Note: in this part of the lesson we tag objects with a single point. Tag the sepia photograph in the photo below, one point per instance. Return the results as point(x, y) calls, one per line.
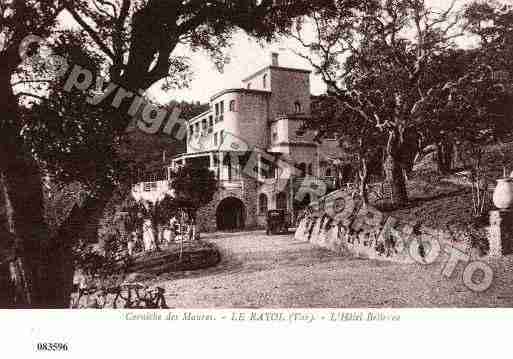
point(243, 161)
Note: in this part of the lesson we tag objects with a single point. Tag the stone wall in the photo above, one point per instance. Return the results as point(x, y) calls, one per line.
point(249, 198)
point(206, 216)
point(247, 193)
point(196, 255)
point(341, 223)
point(253, 120)
point(289, 87)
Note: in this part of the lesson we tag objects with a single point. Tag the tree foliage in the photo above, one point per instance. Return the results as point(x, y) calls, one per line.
point(193, 187)
point(134, 42)
point(388, 61)
point(361, 138)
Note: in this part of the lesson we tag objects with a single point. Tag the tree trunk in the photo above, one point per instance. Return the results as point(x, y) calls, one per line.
point(22, 199)
point(41, 276)
point(194, 226)
point(7, 287)
point(82, 223)
point(364, 178)
point(23, 203)
point(445, 157)
point(394, 173)
point(14, 286)
point(395, 179)
point(456, 156)
point(25, 194)
point(156, 234)
point(338, 176)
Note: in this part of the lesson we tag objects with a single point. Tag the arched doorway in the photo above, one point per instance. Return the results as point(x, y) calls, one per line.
point(231, 214)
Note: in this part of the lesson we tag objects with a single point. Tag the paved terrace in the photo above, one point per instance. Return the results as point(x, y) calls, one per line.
point(259, 271)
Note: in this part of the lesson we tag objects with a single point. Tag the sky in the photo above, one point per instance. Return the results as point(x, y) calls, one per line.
point(246, 57)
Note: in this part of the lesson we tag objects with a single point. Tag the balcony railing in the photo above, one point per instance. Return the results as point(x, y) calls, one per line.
point(330, 182)
point(150, 186)
point(154, 186)
point(230, 184)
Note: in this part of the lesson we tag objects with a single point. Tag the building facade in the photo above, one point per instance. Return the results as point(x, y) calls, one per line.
point(252, 138)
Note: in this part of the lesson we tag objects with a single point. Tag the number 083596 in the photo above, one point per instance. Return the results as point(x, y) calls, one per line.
point(51, 347)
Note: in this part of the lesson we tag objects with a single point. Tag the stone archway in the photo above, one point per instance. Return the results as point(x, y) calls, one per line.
point(231, 214)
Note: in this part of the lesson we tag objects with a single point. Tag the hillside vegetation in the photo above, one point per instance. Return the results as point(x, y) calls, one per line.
point(445, 202)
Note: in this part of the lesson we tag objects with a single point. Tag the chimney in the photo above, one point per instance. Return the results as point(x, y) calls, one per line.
point(275, 59)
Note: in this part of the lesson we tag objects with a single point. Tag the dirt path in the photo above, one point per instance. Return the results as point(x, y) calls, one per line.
point(259, 271)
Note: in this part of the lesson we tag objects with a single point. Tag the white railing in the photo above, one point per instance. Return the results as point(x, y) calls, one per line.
point(231, 184)
point(151, 191)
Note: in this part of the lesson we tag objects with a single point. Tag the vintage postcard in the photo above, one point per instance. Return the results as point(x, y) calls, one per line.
point(186, 169)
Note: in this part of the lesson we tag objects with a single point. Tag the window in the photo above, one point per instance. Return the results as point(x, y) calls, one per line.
point(215, 139)
point(262, 204)
point(150, 186)
point(302, 169)
point(310, 169)
point(249, 86)
point(221, 111)
point(328, 172)
point(297, 107)
point(275, 137)
point(197, 130)
point(210, 125)
point(281, 200)
point(264, 81)
point(265, 167)
point(232, 106)
point(221, 138)
point(268, 169)
point(204, 124)
point(191, 130)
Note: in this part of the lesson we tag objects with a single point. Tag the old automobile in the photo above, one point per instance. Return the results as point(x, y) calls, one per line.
point(277, 221)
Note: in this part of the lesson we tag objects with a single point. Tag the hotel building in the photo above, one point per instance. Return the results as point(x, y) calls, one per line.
point(252, 138)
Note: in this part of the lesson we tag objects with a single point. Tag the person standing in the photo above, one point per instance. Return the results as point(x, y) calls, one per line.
point(173, 222)
point(148, 237)
point(191, 230)
point(132, 239)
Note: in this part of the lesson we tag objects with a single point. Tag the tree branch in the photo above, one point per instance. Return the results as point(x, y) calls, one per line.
point(92, 33)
